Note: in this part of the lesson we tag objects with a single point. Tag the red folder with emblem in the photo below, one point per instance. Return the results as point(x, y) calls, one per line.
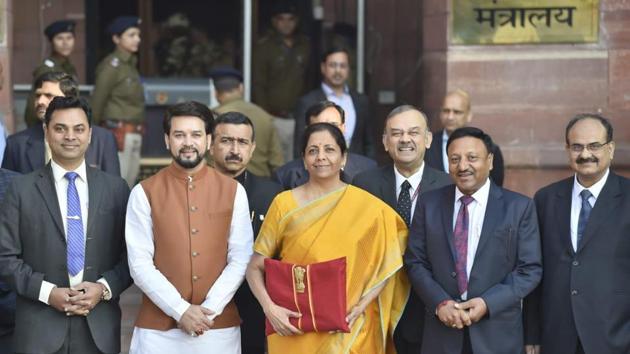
point(317, 291)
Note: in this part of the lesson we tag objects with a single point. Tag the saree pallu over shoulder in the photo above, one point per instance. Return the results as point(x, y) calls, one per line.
point(350, 223)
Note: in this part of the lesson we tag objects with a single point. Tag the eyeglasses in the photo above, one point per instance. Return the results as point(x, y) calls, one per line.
point(592, 147)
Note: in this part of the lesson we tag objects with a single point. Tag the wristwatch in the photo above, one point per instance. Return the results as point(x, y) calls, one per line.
point(106, 295)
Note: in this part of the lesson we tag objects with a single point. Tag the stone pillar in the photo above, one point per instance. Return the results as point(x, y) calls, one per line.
point(6, 41)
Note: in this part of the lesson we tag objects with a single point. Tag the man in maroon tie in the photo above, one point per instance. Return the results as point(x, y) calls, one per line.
point(473, 255)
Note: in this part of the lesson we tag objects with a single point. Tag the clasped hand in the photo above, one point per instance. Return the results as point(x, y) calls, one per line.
point(458, 315)
point(78, 300)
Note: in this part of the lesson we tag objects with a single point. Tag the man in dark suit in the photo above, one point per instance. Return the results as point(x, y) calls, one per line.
point(293, 173)
point(26, 151)
point(232, 148)
point(7, 297)
point(473, 255)
point(583, 302)
point(406, 137)
point(456, 113)
point(335, 69)
point(66, 262)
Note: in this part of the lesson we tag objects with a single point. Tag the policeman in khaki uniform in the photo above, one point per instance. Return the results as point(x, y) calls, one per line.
point(61, 37)
point(118, 97)
point(267, 155)
point(280, 71)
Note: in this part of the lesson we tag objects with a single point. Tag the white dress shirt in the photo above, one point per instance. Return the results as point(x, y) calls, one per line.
point(61, 187)
point(140, 250)
point(476, 215)
point(345, 101)
point(414, 180)
point(576, 202)
point(444, 153)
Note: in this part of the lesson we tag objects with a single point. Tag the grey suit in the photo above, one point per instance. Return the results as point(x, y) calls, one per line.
point(507, 267)
point(381, 182)
point(25, 151)
point(33, 249)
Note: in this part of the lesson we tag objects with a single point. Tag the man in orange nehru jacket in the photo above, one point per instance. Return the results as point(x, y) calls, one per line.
point(189, 240)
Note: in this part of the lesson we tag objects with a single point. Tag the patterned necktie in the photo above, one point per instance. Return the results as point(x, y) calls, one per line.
point(75, 245)
point(585, 212)
point(403, 207)
point(460, 237)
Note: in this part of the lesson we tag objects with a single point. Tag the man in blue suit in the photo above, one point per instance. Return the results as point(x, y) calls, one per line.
point(26, 151)
point(473, 255)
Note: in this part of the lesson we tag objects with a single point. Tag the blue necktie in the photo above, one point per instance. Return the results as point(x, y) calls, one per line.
point(585, 212)
point(75, 245)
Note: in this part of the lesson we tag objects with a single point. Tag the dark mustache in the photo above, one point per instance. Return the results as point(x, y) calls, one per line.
point(188, 149)
point(582, 160)
point(233, 157)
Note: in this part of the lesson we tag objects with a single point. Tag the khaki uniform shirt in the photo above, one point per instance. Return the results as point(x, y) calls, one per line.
point(268, 155)
point(280, 73)
point(118, 92)
point(53, 63)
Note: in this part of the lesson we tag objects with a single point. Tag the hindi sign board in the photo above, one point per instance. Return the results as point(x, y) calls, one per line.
point(524, 21)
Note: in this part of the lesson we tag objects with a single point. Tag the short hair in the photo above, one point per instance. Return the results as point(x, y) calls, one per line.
point(332, 50)
point(317, 108)
point(67, 84)
point(405, 108)
point(463, 94)
point(473, 133)
point(59, 103)
point(189, 108)
point(320, 127)
point(235, 118)
point(598, 117)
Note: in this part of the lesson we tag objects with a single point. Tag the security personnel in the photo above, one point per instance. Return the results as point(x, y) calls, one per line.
point(61, 37)
point(267, 156)
point(118, 97)
point(280, 71)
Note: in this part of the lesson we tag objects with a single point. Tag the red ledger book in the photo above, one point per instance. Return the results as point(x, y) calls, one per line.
point(317, 291)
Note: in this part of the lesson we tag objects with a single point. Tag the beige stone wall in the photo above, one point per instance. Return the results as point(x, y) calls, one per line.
point(523, 95)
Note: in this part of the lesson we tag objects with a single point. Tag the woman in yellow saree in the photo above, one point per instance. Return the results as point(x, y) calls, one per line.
point(327, 219)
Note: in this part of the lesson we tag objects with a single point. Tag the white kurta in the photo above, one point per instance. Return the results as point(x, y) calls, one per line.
point(140, 249)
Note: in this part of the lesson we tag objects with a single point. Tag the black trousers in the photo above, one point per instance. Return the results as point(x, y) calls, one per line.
point(79, 338)
point(403, 346)
point(6, 343)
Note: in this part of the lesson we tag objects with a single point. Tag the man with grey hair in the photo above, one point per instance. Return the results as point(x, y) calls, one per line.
point(406, 137)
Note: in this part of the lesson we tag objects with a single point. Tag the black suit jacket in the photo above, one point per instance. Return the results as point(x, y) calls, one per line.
point(260, 193)
point(584, 293)
point(33, 249)
point(433, 158)
point(7, 297)
point(381, 182)
point(293, 174)
point(362, 142)
point(25, 151)
point(507, 267)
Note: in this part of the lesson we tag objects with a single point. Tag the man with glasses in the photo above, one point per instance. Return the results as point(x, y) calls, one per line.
point(582, 304)
point(335, 69)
